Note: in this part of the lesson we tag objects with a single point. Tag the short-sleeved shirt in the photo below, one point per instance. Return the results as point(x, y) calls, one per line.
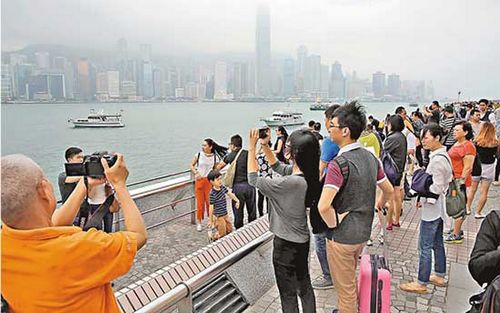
point(240, 175)
point(205, 163)
point(370, 142)
point(63, 269)
point(457, 154)
point(329, 150)
point(335, 179)
point(65, 188)
point(218, 200)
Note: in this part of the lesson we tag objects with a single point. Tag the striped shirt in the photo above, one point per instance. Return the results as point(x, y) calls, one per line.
point(218, 199)
point(447, 125)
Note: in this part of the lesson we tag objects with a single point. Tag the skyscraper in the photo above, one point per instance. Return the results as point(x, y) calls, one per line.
point(240, 84)
point(300, 68)
point(288, 77)
point(42, 60)
point(263, 52)
point(378, 84)
point(337, 82)
point(6, 82)
point(312, 75)
point(220, 81)
point(394, 85)
point(83, 79)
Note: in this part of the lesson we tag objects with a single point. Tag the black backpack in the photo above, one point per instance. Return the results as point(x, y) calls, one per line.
point(487, 301)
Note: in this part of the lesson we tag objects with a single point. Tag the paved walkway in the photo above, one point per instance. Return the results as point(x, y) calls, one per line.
point(403, 260)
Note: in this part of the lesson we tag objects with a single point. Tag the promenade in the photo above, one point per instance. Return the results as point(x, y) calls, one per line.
point(403, 260)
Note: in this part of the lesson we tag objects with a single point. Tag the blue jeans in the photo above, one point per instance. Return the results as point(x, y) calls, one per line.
point(431, 239)
point(320, 247)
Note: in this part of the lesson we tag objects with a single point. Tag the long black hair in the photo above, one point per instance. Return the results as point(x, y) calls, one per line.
point(304, 150)
point(217, 149)
point(283, 132)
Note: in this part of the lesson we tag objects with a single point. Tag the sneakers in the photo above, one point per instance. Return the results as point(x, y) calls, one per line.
point(381, 238)
point(454, 239)
point(198, 226)
point(451, 232)
point(496, 183)
point(321, 283)
point(479, 215)
point(437, 281)
point(369, 243)
point(413, 287)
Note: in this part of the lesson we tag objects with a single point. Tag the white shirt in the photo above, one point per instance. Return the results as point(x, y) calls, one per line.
point(98, 194)
point(205, 163)
point(491, 117)
point(440, 169)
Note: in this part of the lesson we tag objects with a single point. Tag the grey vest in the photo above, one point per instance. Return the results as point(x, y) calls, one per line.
point(357, 197)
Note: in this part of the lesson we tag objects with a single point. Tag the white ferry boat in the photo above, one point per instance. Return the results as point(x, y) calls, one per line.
point(98, 119)
point(284, 118)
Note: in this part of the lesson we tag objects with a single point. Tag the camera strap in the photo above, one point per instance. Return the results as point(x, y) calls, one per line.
point(95, 220)
point(83, 213)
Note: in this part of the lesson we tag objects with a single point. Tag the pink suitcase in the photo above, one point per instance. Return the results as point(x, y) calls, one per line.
point(374, 282)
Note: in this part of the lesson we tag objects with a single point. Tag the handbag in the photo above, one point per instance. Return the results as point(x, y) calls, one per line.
point(231, 171)
point(455, 200)
point(390, 168)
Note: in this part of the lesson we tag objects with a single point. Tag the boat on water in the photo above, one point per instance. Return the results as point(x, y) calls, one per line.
point(284, 118)
point(98, 119)
point(414, 105)
point(318, 107)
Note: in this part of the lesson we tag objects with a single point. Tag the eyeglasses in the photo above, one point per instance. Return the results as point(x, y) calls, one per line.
point(336, 126)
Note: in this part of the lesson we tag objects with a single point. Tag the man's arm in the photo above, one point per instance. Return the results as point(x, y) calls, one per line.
point(326, 210)
point(72, 179)
point(322, 167)
point(134, 223)
point(65, 215)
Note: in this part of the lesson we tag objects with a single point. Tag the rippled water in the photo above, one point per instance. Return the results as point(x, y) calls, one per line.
point(158, 138)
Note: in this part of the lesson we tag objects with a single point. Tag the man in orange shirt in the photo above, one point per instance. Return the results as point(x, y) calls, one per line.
point(48, 265)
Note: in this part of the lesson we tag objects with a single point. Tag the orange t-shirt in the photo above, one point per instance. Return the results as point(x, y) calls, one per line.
point(457, 154)
point(63, 269)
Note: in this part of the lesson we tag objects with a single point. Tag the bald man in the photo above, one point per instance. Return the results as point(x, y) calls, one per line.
point(48, 265)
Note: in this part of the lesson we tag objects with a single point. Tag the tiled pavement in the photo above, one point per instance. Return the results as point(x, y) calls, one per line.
point(403, 259)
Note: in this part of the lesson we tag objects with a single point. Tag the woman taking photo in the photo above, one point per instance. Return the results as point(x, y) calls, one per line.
point(203, 162)
point(279, 145)
point(288, 196)
point(462, 155)
point(486, 146)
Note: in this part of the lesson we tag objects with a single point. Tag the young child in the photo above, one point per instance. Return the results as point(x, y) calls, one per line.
point(218, 217)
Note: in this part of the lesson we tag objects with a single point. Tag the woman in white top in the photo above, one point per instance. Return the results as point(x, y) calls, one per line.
point(203, 162)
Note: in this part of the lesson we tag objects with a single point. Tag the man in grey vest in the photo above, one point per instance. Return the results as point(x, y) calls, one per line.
point(346, 203)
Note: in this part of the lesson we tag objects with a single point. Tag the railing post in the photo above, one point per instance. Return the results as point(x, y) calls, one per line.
point(185, 305)
point(193, 201)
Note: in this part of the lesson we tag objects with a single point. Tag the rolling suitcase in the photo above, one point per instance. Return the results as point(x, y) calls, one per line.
point(374, 283)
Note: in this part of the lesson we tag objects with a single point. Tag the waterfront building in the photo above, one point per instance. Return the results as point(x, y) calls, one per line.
point(378, 84)
point(288, 77)
point(337, 82)
point(128, 90)
point(301, 69)
point(84, 88)
point(42, 60)
point(394, 85)
point(220, 81)
point(6, 88)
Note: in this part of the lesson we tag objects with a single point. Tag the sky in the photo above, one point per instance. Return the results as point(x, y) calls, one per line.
point(453, 43)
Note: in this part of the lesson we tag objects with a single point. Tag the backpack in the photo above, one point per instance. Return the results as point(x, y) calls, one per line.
point(487, 301)
point(455, 200)
point(344, 169)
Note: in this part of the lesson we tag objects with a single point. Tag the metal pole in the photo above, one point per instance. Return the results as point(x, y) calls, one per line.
point(193, 200)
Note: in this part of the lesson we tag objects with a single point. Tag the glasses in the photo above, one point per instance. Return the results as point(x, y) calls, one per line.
point(336, 126)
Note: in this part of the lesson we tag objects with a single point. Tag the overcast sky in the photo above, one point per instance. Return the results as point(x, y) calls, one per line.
point(454, 43)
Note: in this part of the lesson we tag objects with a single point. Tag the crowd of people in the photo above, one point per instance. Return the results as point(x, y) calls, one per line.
point(340, 181)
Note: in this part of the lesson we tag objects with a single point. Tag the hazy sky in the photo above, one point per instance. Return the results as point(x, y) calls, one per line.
point(454, 43)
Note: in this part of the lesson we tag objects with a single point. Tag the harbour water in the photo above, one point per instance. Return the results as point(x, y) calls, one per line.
point(158, 138)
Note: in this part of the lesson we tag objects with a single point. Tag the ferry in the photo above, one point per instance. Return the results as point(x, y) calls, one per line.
point(414, 105)
point(97, 120)
point(284, 118)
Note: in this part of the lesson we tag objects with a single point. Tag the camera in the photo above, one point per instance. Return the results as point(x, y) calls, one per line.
point(263, 132)
point(91, 165)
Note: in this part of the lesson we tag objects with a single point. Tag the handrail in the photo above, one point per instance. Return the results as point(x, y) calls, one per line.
point(184, 290)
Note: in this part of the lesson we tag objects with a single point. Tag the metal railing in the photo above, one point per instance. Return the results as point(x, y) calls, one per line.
point(181, 295)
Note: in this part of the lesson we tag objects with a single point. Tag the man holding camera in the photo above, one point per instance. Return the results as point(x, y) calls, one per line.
point(66, 183)
point(49, 265)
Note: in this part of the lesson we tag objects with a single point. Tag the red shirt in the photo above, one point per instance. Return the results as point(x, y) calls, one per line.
point(457, 154)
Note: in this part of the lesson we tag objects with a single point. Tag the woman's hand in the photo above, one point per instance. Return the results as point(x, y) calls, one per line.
point(253, 138)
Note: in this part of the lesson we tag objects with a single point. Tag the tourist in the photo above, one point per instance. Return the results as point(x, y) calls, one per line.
point(475, 121)
point(486, 146)
point(49, 265)
point(401, 111)
point(241, 188)
point(433, 114)
point(462, 155)
point(487, 115)
point(310, 125)
point(433, 214)
point(346, 205)
point(329, 150)
point(68, 183)
point(396, 146)
point(265, 171)
point(289, 195)
point(202, 163)
point(447, 122)
point(316, 132)
point(218, 204)
point(279, 145)
point(418, 123)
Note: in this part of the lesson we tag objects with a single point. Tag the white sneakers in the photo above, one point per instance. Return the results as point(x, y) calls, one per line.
point(198, 227)
point(479, 215)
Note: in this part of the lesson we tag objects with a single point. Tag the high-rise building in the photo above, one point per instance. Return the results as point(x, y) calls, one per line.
point(128, 90)
point(337, 82)
point(263, 52)
point(241, 79)
point(6, 88)
point(301, 69)
point(146, 52)
point(378, 84)
point(312, 75)
point(191, 90)
point(42, 60)
point(288, 77)
point(220, 80)
point(113, 84)
point(148, 82)
point(157, 83)
point(325, 81)
point(22, 73)
point(394, 85)
point(123, 63)
point(61, 64)
point(84, 87)
point(57, 88)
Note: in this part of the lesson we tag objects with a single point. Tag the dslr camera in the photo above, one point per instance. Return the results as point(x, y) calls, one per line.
point(91, 165)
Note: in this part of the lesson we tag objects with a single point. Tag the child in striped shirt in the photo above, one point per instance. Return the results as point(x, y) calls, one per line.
point(218, 216)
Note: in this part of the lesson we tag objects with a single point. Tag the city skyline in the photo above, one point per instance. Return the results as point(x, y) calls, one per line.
point(471, 69)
